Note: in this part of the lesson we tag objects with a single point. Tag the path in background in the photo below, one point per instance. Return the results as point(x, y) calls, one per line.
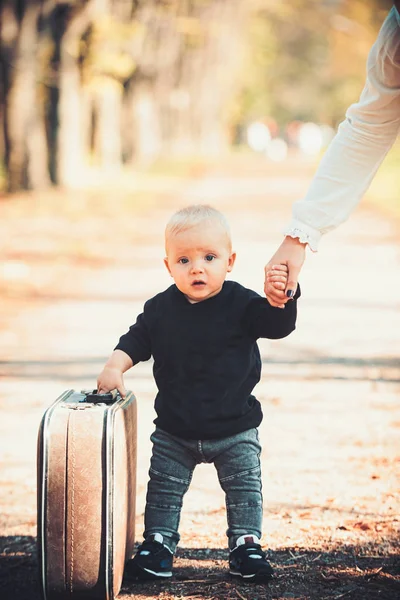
point(331, 461)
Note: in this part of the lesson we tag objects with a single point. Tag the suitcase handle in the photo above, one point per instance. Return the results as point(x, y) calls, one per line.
point(97, 398)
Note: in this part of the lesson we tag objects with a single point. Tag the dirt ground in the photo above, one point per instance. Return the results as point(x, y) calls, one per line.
point(74, 271)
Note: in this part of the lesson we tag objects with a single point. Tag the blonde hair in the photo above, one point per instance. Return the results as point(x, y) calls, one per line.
point(190, 216)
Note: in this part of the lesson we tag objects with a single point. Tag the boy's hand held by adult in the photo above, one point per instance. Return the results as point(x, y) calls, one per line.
point(292, 253)
point(276, 277)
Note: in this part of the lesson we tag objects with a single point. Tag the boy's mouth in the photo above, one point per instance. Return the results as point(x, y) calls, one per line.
point(198, 283)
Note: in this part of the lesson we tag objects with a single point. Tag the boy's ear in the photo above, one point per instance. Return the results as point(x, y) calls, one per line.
point(167, 265)
point(231, 261)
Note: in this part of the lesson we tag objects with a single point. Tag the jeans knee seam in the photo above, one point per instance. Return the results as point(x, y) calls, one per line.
point(168, 506)
point(170, 477)
point(241, 474)
point(246, 504)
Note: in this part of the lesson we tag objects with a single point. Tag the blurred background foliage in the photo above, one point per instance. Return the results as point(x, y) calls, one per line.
point(96, 85)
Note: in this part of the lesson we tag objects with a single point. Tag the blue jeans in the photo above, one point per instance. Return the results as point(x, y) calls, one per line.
point(237, 461)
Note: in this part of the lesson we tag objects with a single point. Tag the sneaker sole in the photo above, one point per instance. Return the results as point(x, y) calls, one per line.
point(253, 576)
point(147, 574)
point(161, 575)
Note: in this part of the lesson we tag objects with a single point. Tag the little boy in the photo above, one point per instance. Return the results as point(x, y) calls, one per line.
point(202, 334)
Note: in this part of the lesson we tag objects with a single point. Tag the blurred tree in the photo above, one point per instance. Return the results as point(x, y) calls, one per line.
point(24, 126)
point(306, 58)
point(69, 23)
point(186, 70)
point(107, 82)
point(352, 32)
point(114, 80)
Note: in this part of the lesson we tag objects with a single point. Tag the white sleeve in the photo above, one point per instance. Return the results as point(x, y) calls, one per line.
point(360, 145)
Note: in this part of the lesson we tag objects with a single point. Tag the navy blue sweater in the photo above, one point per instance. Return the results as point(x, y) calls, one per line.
point(206, 357)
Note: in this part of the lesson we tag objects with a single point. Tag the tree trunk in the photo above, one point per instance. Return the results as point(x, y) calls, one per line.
point(146, 135)
point(107, 98)
point(71, 150)
point(188, 57)
point(24, 128)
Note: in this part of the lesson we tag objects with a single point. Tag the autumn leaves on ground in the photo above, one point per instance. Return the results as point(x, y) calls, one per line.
point(74, 272)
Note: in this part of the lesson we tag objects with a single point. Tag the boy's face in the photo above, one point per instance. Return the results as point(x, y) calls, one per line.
point(199, 259)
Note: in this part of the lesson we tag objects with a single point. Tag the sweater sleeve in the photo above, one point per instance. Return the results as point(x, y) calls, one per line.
point(360, 145)
point(136, 342)
point(262, 320)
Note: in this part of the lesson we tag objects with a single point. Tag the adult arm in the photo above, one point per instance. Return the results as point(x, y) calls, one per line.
point(351, 161)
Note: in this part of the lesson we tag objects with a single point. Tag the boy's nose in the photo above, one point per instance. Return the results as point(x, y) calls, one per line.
point(197, 267)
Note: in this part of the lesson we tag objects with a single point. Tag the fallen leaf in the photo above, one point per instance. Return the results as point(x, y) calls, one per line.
point(362, 525)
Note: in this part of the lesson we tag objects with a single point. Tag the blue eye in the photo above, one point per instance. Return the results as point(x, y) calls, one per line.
point(210, 257)
point(183, 261)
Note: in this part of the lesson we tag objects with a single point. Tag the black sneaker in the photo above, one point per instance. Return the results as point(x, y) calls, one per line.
point(248, 561)
point(152, 560)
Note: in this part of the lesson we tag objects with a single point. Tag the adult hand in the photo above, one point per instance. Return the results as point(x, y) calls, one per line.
point(291, 253)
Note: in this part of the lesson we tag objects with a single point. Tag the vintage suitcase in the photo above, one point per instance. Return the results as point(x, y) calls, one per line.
point(86, 494)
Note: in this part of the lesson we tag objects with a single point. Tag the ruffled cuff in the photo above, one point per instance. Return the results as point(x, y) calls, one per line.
point(305, 233)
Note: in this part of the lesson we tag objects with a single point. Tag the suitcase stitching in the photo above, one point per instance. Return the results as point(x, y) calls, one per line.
point(72, 503)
